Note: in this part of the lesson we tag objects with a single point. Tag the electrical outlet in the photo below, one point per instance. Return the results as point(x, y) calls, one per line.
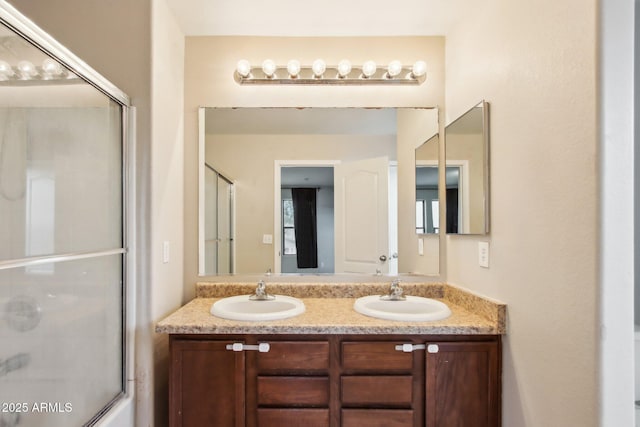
point(420, 247)
point(483, 254)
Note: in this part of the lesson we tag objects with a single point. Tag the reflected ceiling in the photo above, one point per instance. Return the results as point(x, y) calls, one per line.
point(301, 121)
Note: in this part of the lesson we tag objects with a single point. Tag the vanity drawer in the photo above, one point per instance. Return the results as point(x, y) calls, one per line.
point(377, 417)
point(382, 356)
point(276, 417)
point(383, 390)
point(293, 391)
point(295, 356)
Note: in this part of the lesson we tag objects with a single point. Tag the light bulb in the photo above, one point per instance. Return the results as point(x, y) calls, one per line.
point(344, 68)
point(419, 69)
point(394, 68)
point(243, 68)
point(5, 69)
point(27, 69)
point(51, 67)
point(293, 68)
point(268, 68)
point(318, 67)
point(368, 69)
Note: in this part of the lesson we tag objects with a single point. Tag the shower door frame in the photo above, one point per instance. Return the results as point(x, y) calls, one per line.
point(230, 225)
point(37, 37)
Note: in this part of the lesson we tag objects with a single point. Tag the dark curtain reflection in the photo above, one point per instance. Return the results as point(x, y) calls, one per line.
point(305, 225)
point(452, 210)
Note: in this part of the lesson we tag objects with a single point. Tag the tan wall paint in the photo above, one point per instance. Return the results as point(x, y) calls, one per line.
point(167, 183)
point(535, 63)
point(209, 66)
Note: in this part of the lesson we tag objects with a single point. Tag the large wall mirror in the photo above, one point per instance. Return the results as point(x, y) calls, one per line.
point(467, 171)
point(310, 191)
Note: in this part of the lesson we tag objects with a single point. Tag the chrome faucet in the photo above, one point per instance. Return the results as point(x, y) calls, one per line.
point(261, 293)
point(395, 292)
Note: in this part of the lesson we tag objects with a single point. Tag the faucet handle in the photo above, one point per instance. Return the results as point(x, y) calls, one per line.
point(261, 293)
point(396, 293)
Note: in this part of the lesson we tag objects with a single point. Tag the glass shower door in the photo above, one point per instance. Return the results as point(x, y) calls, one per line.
point(218, 223)
point(62, 250)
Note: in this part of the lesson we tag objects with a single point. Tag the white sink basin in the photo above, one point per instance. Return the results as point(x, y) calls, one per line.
point(242, 308)
point(416, 309)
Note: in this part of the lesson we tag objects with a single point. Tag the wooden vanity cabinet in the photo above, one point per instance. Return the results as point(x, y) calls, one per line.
point(336, 380)
point(463, 384)
point(207, 384)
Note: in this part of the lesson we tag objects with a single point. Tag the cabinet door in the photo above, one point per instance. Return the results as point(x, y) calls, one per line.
point(462, 384)
point(207, 384)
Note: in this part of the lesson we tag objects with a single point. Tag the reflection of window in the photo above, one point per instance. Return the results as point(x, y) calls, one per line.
point(288, 231)
point(427, 221)
point(421, 216)
point(435, 215)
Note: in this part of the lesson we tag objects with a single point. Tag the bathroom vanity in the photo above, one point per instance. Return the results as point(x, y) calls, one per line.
point(332, 366)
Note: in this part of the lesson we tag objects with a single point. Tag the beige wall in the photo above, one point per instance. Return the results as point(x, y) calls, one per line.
point(535, 63)
point(167, 178)
point(210, 63)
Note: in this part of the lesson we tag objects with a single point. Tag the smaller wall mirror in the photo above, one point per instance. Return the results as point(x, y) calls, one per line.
point(427, 190)
point(467, 171)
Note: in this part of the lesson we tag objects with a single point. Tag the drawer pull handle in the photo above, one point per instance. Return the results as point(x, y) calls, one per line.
point(408, 348)
point(263, 347)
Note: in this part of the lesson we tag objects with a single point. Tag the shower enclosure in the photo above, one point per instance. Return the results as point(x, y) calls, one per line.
point(63, 250)
point(218, 223)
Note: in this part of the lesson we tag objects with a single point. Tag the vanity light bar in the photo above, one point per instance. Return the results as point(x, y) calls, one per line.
point(319, 73)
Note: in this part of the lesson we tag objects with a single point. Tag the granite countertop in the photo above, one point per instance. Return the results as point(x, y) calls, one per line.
point(329, 310)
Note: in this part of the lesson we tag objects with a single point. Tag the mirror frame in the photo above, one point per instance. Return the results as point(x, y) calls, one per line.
point(486, 163)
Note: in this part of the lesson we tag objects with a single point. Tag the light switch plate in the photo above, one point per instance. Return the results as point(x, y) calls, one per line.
point(267, 239)
point(483, 254)
point(420, 247)
point(165, 252)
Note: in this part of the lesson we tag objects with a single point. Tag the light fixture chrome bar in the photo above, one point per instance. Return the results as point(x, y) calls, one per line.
point(330, 76)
